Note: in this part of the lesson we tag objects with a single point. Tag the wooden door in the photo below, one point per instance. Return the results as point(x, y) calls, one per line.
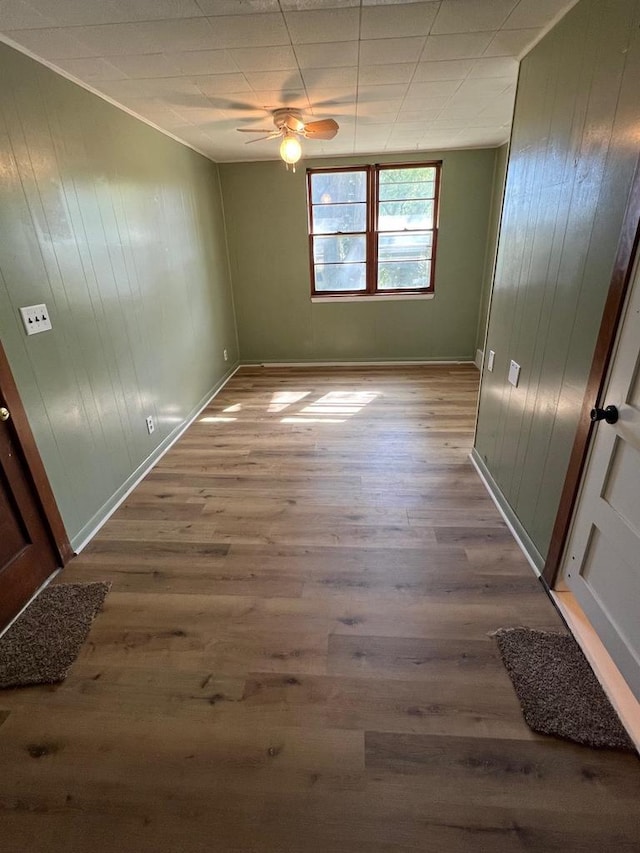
point(33, 543)
point(601, 565)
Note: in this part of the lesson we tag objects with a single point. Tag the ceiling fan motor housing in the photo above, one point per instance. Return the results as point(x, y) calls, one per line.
point(288, 120)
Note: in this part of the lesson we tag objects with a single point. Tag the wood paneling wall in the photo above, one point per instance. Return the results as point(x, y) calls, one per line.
point(119, 230)
point(573, 152)
point(499, 174)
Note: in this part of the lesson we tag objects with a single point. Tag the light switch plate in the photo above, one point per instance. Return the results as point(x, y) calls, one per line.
point(491, 359)
point(35, 318)
point(514, 373)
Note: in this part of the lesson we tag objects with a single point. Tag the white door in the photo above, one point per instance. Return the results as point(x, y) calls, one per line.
point(601, 565)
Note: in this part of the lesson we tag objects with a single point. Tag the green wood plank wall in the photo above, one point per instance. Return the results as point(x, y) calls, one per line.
point(120, 231)
point(499, 174)
point(266, 212)
point(573, 153)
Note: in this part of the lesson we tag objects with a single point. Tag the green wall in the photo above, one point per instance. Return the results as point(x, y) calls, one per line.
point(574, 149)
point(265, 209)
point(120, 231)
point(499, 174)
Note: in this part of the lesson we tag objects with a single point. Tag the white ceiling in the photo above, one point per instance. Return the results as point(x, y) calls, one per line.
point(397, 76)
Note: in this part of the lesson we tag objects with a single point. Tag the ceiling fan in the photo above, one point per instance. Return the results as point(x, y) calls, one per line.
point(290, 125)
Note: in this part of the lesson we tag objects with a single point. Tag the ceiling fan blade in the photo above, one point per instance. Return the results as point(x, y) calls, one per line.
point(326, 128)
point(253, 130)
point(260, 138)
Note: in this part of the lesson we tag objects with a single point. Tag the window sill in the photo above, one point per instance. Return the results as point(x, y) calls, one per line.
point(391, 297)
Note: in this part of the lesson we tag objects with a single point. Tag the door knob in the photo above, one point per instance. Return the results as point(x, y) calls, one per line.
point(5, 414)
point(610, 415)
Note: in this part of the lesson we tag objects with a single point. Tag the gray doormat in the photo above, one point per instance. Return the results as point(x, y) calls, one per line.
point(43, 643)
point(558, 691)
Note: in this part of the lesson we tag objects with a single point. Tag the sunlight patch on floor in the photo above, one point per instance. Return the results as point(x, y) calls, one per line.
point(282, 399)
point(347, 403)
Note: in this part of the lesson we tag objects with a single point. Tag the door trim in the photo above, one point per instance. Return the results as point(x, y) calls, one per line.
point(51, 515)
point(618, 691)
point(618, 288)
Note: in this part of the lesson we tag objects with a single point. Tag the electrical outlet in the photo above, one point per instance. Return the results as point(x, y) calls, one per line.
point(35, 318)
point(225, 354)
point(490, 360)
point(150, 424)
point(514, 373)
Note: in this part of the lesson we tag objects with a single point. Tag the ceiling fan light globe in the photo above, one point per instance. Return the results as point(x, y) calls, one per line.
point(290, 150)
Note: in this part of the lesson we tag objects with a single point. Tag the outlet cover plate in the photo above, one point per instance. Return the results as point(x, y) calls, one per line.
point(150, 424)
point(490, 360)
point(514, 373)
point(35, 319)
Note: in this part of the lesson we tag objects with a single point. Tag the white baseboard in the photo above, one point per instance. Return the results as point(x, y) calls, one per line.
point(531, 553)
point(355, 363)
point(86, 534)
point(479, 358)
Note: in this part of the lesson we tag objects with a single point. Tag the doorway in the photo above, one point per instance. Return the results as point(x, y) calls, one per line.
point(33, 541)
point(601, 564)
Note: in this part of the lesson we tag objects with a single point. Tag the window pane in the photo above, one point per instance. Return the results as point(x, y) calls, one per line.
point(333, 187)
point(404, 246)
point(419, 189)
point(398, 215)
point(400, 176)
point(335, 250)
point(403, 275)
point(340, 277)
point(332, 218)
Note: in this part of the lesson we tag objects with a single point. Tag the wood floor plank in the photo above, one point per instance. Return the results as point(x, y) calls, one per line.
point(448, 765)
point(295, 654)
point(283, 701)
point(471, 661)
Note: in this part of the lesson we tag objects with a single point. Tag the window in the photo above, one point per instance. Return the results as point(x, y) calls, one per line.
point(373, 229)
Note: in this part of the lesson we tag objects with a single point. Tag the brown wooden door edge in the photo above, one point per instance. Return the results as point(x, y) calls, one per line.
point(33, 540)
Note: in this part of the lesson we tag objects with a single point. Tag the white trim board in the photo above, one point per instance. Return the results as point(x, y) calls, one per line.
point(399, 363)
point(618, 691)
point(89, 530)
point(533, 556)
point(387, 297)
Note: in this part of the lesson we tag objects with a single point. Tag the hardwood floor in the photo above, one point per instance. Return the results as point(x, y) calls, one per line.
point(295, 653)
